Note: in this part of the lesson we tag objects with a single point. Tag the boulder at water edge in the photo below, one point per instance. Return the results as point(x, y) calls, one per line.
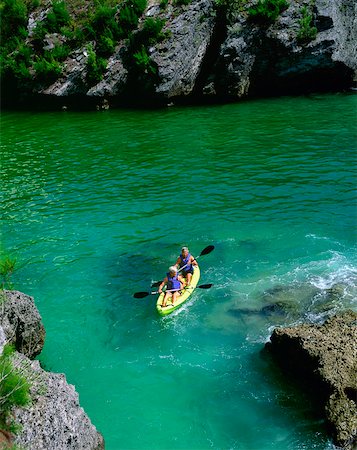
point(325, 358)
point(21, 323)
point(54, 419)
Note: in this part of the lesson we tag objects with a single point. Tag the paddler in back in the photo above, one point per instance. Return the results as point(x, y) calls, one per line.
point(174, 281)
point(186, 261)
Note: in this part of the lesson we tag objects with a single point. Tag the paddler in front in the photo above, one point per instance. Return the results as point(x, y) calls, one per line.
point(173, 281)
point(186, 261)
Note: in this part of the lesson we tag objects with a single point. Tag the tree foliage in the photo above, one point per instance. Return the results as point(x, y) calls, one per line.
point(267, 11)
point(14, 388)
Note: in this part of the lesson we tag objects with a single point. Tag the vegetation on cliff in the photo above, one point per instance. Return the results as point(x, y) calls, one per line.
point(14, 388)
point(7, 268)
point(36, 53)
point(165, 49)
point(60, 28)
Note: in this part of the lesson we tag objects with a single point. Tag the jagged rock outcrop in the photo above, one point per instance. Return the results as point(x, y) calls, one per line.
point(180, 57)
point(21, 323)
point(324, 357)
point(265, 60)
point(54, 419)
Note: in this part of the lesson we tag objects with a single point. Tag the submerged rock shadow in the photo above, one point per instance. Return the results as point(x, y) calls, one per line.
point(286, 304)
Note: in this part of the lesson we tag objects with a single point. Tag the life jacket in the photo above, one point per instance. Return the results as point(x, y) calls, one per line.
point(184, 261)
point(173, 282)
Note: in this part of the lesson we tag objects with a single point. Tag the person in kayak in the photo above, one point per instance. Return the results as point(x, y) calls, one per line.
point(186, 261)
point(173, 280)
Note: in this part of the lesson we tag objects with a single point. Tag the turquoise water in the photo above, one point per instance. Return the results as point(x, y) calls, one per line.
point(98, 204)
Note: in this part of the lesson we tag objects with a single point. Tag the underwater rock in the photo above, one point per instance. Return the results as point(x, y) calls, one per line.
point(325, 358)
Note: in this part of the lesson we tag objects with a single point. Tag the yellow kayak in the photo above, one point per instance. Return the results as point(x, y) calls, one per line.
point(184, 295)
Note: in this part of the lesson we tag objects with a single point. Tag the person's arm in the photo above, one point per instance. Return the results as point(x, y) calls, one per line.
point(181, 280)
point(165, 280)
point(193, 261)
point(178, 262)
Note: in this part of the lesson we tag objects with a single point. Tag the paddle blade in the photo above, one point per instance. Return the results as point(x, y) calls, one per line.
point(207, 250)
point(205, 286)
point(141, 294)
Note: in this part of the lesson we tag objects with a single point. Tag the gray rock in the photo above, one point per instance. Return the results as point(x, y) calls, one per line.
point(265, 60)
point(180, 57)
point(73, 81)
point(344, 17)
point(207, 54)
point(22, 323)
point(54, 420)
point(325, 358)
point(115, 77)
point(2, 339)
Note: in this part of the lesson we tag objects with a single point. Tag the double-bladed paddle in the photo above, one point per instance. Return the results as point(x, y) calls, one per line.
point(145, 294)
point(205, 251)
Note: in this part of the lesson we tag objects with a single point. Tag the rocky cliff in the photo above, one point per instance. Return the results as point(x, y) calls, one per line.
point(195, 50)
point(324, 358)
point(54, 419)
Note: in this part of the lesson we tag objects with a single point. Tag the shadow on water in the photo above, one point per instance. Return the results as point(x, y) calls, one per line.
point(290, 303)
point(290, 395)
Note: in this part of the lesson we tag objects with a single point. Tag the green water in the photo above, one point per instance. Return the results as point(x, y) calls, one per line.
point(96, 205)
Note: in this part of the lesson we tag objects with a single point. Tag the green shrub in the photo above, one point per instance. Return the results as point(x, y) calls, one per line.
point(128, 19)
point(104, 21)
point(143, 70)
point(105, 45)
point(163, 4)
point(47, 70)
point(150, 33)
point(58, 53)
point(8, 264)
point(95, 67)
point(138, 6)
point(14, 388)
point(129, 14)
point(143, 62)
point(13, 18)
point(182, 2)
point(267, 11)
point(33, 4)
point(38, 36)
point(307, 31)
point(58, 17)
point(152, 30)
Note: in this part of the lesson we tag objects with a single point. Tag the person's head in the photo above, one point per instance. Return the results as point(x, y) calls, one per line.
point(172, 270)
point(184, 251)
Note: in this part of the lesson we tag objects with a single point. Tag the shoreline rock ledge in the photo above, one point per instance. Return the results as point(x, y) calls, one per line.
point(324, 358)
point(54, 418)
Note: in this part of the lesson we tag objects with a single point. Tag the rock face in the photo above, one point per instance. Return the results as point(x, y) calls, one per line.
point(261, 60)
point(54, 419)
point(180, 57)
point(210, 52)
point(21, 323)
point(325, 358)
